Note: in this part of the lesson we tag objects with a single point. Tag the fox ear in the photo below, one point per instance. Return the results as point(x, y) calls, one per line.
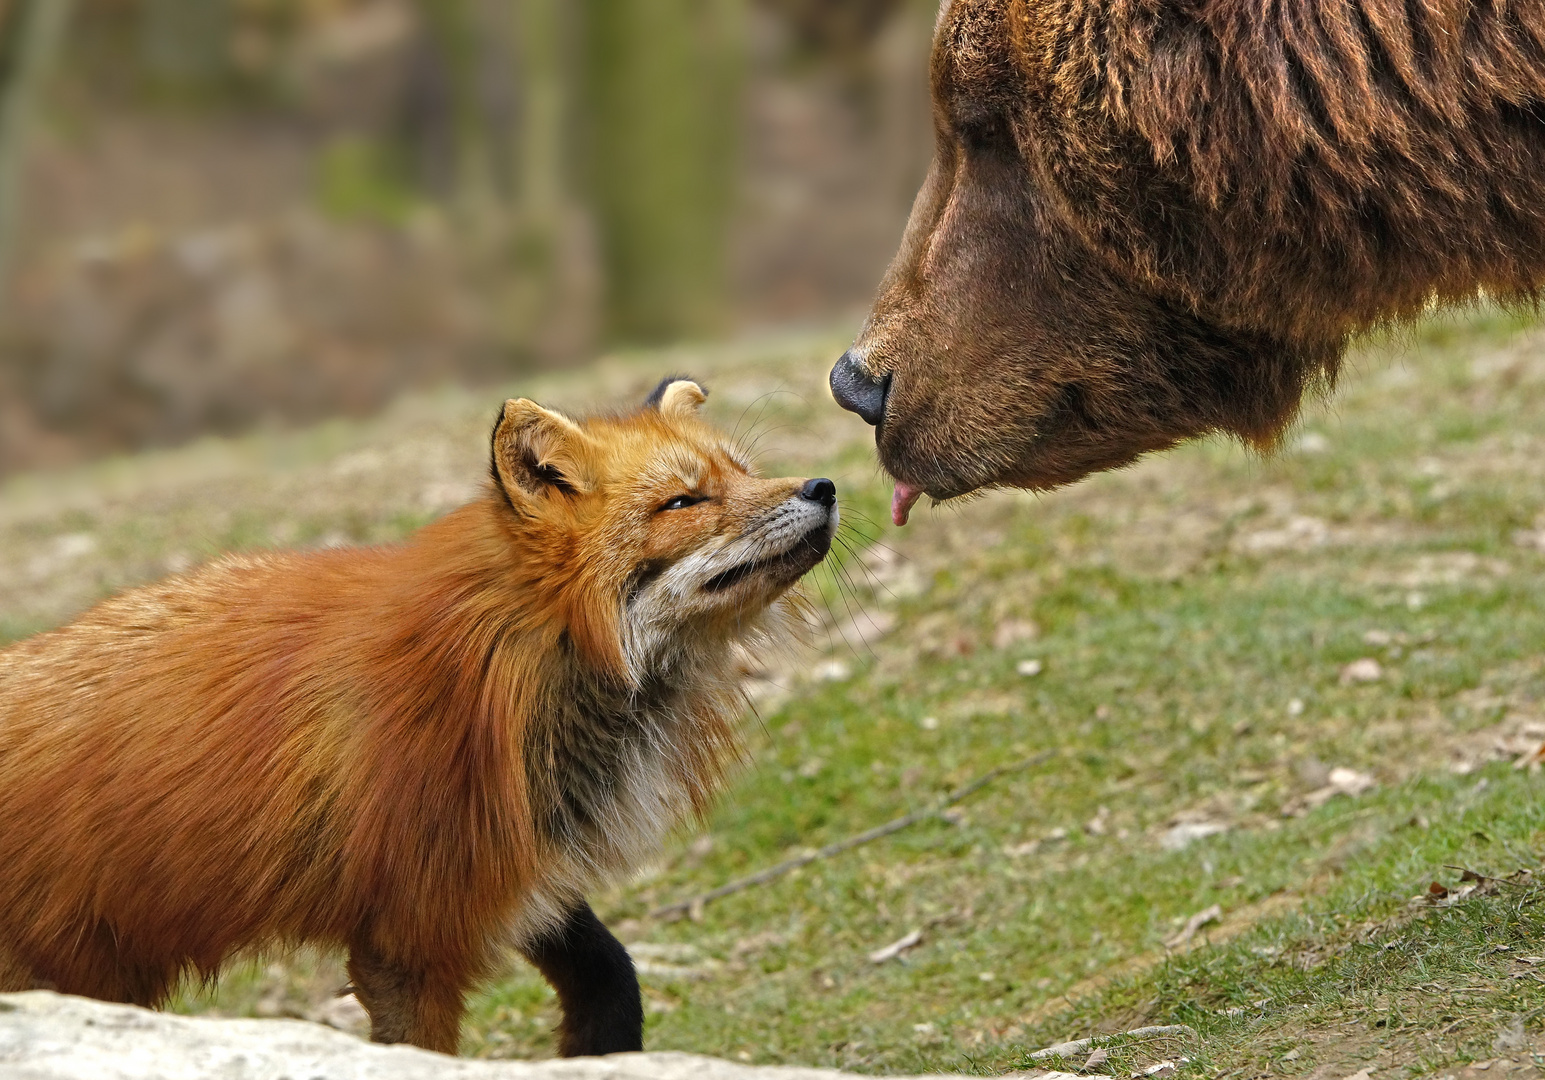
point(536, 452)
point(676, 395)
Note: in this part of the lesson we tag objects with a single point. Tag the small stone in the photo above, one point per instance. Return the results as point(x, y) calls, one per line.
point(1365, 670)
point(1178, 837)
point(1028, 668)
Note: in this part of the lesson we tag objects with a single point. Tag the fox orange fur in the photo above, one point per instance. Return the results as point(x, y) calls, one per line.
point(422, 753)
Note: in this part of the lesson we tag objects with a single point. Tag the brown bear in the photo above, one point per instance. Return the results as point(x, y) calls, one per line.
point(1148, 220)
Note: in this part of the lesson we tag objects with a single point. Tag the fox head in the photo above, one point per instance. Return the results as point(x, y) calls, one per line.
point(652, 530)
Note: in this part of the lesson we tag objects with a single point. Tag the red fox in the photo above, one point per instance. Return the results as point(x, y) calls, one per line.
point(422, 752)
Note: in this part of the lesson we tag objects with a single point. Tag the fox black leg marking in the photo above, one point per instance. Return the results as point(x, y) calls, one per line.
point(593, 976)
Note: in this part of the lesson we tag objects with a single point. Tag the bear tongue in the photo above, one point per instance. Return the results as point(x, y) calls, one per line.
point(902, 500)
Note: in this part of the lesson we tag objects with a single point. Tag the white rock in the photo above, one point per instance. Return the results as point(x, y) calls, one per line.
point(1351, 782)
point(1361, 671)
point(1180, 836)
point(47, 1036)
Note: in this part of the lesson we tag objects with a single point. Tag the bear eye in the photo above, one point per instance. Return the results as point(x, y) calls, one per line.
point(681, 502)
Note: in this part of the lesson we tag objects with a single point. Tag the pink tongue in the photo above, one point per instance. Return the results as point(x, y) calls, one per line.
point(902, 500)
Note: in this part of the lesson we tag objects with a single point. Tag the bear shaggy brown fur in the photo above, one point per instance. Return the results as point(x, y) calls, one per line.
point(1148, 220)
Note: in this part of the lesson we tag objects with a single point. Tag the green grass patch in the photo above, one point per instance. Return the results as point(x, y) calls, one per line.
point(1288, 688)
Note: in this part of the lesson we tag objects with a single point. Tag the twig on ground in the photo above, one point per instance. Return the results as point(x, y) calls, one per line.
point(1193, 924)
point(694, 905)
point(896, 948)
point(1081, 1046)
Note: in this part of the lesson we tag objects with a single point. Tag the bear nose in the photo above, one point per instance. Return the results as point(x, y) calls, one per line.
point(858, 391)
point(822, 491)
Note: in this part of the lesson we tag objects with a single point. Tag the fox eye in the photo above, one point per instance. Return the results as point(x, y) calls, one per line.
point(681, 502)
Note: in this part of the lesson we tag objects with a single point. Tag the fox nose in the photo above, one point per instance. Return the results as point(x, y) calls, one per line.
point(822, 491)
point(858, 391)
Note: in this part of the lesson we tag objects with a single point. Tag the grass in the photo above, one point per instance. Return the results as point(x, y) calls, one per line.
point(1194, 620)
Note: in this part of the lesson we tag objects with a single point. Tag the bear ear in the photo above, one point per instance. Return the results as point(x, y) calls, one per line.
point(536, 453)
point(676, 395)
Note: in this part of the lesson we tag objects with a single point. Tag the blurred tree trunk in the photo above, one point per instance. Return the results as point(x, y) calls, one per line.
point(30, 31)
point(663, 105)
point(465, 33)
point(612, 119)
point(185, 44)
point(551, 247)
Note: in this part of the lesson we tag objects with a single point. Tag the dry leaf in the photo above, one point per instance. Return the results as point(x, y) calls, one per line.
point(1011, 632)
point(755, 943)
point(1096, 1059)
point(1340, 781)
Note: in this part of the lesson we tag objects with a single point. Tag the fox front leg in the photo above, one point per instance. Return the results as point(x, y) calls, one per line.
point(596, 985)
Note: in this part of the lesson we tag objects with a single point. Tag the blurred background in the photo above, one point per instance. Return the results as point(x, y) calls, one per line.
point(216, 214)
